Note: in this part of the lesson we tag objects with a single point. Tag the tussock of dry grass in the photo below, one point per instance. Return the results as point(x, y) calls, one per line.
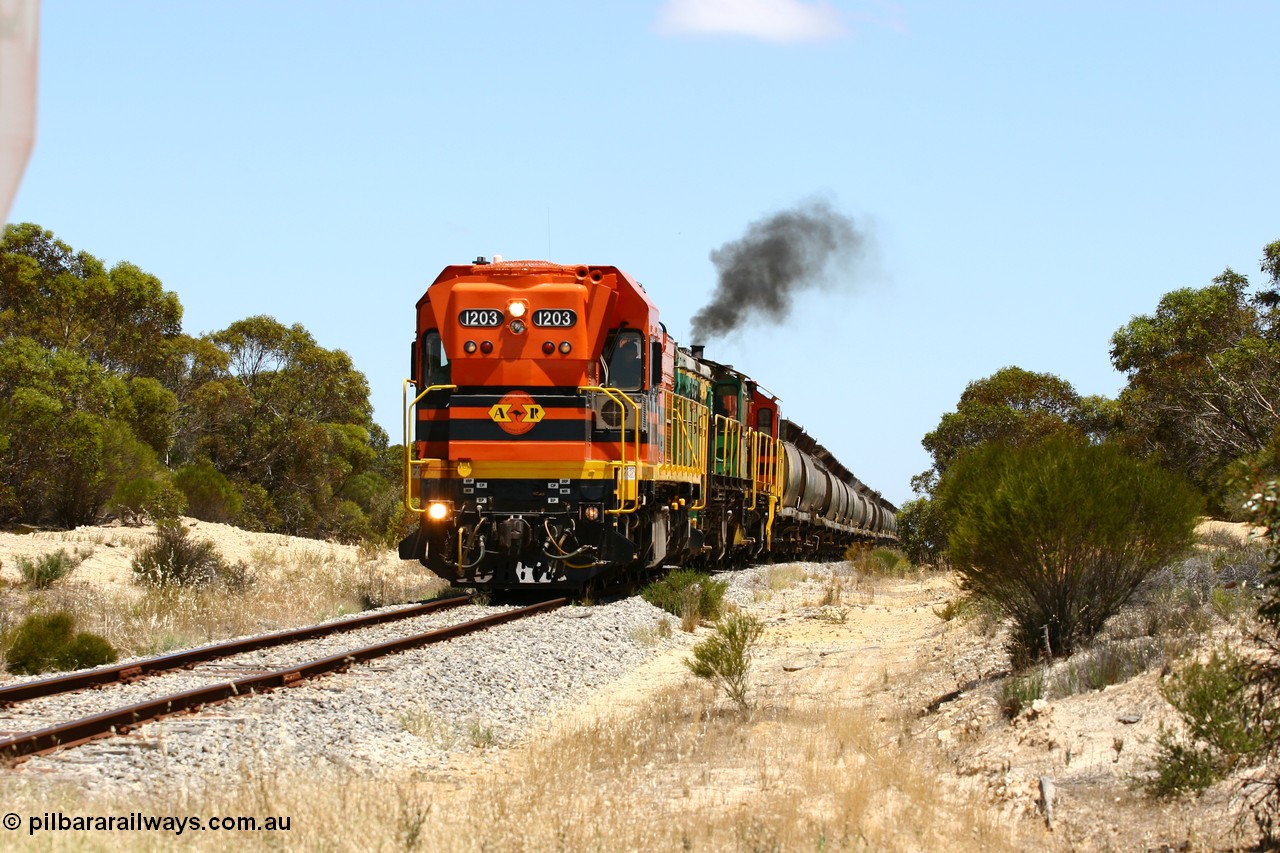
point(784, 576)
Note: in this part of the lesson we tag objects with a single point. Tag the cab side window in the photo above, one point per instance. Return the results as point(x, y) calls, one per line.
point(626, 363)
point(764, 421)
point(726, 401)
point(435, 363)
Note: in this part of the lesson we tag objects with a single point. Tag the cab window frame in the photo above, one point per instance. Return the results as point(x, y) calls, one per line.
point(436, 367)
point(764, 421)
point(626, 362)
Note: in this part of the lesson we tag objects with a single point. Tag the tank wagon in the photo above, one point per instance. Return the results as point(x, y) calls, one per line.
point(556, 436)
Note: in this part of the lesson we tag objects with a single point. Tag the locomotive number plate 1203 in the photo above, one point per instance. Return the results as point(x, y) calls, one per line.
point(485, 318)
point(554, 318)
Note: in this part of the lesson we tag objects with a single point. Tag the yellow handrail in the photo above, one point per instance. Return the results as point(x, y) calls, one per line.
point(704, 425)
point(753, 464)
point(765, 477)
point(620, 468)
point(685, 447)
point(409, 461)
point(685, 444)
point(730, 447)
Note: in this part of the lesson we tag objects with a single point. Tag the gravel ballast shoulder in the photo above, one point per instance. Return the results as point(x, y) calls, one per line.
point(408, 710)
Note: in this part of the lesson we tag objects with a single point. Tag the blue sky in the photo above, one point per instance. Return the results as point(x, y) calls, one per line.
point(1031, 174)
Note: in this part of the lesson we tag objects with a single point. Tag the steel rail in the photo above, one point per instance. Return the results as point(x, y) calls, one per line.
point(121, 720)
point(137, 669)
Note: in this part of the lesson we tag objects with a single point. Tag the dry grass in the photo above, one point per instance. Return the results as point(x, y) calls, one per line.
point(784, 576)
point(679, 773)
point(286, 588)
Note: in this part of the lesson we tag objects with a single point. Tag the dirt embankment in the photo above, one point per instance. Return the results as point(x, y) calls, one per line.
point(884, 648)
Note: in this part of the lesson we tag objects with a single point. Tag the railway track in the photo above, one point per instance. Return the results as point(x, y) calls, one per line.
point(134, 670)
point(123, 719)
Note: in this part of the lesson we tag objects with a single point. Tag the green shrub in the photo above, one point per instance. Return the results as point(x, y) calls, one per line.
point(257, 510)
point(1180, 767)
point(1019, 691)
point(1208, 698)
point(1225, 726)
point(689, 594)
point(724, 658)
point(892, 561)
point(151, 497)
point(175, 558)
point(348, 523)
point(920, 532)
point(47, 642)
point(879, 562)
point(1227, 604)
point(210, 495)
point(1262, 792)
point(1059, 534)
point(86, 650)
point(41, 572)
point(1105, 665)
point(35, 643)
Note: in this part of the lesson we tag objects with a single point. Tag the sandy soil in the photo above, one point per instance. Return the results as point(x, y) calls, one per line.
point(897, 656)
point(108, 550)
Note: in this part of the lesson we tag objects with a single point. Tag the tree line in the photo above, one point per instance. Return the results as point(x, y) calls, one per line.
point(1201, 401)
point(107, 407)
point(1055, 509)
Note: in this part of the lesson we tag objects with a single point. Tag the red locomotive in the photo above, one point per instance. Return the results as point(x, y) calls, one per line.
point(557, 436)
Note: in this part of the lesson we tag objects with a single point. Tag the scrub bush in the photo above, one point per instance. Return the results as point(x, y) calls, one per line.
point(1019, 691)
point(41, 572)
point(175, 558)
point(1262, 790)
point(689, 594)
point(47, 642)
point(151, 497)
point(1106, 664)
point(920, 532)
point(210, 495)
point(878, 562)
point(1225, 726)
point(1058, 535)
point(724, 658)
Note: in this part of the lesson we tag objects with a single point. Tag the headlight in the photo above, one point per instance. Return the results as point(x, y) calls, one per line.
point(517, 307)
point(438, 511)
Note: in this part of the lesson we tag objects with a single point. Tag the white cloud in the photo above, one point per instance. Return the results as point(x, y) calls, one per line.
point(771, 20)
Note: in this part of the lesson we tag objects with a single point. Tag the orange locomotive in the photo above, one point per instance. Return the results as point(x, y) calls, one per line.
point(557, 436)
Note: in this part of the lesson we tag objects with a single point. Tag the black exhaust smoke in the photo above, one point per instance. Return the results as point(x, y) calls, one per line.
point(779, 256)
